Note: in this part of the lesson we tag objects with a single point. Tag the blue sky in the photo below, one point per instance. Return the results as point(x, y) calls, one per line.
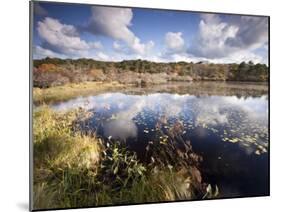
point(116, 34)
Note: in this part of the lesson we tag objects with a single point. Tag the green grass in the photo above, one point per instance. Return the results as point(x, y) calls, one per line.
point(73, 169)
point(68, 91)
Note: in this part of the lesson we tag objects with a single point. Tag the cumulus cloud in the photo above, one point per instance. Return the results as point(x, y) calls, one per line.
point(212, 36)
point(102, 56)
point(64, 39)
point(252, 33)
point(96, 45)
point(233, 39)
point(116, 46)
point(242, 55)
point(121, 48)
point(39, 53)
point(174, 41)
point(115, 23)
point(219, 39)
point(235, 57)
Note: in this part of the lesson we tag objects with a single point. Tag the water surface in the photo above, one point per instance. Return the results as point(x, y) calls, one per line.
point(226, 123)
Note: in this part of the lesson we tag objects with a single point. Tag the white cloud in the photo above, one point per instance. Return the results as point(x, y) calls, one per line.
point(252, 33)
point(174, 41)
point(211, 38)
point(102, 56)
point(236, 57)
point(116, 46)
point(121, 48)
point(115, 23)
point(230, 40)
point(96, 45)
point(242, 55)
point(219, 39)
point(64, 39)
point(39, 53)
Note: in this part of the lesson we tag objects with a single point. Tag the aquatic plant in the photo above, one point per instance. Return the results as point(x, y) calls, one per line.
point(73, 168)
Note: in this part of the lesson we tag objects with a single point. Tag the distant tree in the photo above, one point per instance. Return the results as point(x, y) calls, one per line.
point(251, 63)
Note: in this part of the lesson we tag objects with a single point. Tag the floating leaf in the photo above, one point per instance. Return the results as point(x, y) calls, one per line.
point(257, 152)
point(234, 140)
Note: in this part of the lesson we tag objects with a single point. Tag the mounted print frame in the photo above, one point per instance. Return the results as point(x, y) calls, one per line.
point(133, 105)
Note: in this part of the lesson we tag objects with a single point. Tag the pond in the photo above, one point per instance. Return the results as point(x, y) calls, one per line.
point(226, 123)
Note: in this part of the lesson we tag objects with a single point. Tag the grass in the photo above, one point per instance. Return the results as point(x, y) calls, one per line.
point(68, 91)
point(75, 169)
point(63, 159)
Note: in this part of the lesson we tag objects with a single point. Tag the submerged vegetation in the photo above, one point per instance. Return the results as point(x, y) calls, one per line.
point(74, 168)
point(53, 72)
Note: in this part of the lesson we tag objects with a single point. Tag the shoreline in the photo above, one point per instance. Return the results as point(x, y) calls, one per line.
point(68, 91)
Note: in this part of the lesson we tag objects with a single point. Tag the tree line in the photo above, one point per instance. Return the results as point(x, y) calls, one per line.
point(54, 71)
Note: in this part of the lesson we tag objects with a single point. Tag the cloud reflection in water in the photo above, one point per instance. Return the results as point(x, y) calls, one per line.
point(236, 115)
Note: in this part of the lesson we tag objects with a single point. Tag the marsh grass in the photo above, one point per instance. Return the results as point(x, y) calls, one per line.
point(76, 169)
point(68, 91)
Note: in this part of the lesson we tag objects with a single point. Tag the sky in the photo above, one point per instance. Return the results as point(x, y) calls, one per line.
point(115, 34)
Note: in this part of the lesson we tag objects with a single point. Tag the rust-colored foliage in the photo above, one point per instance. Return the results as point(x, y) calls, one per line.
point(47, 67)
